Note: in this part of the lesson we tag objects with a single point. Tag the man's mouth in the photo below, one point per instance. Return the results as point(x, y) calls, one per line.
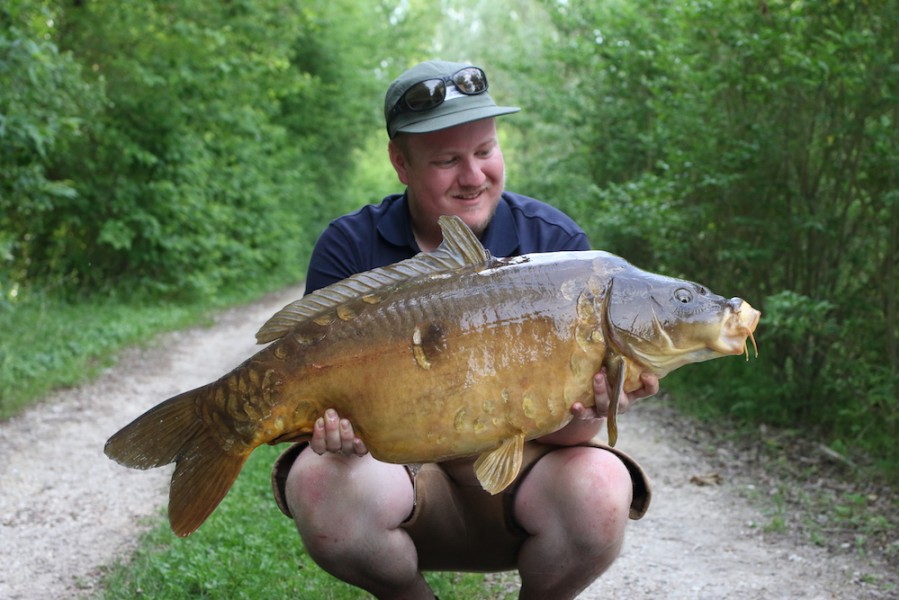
point(469, 196)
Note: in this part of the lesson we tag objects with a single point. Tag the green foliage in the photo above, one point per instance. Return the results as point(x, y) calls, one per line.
point(177, 148)
point(163, 157)
point(43, 103)
point(160, 152)
point(187, 170)
point(248, 549)
point(163, 153)
point(752, 147)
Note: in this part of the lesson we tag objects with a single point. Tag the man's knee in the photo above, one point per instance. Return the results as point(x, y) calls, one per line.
point(595, 475)
point(329, 491)
point(346, 506)
point(584, 490)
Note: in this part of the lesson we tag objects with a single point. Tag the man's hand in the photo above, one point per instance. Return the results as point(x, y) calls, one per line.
point(333, 434)
point(588, 420)
point(601, 393)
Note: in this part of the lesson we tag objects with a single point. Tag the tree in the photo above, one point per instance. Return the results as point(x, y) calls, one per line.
point(751, 146)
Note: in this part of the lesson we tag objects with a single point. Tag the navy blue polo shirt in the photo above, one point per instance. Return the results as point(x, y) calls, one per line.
point(380, 235)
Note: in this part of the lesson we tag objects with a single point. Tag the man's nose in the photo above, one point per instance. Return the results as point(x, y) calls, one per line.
point(471, 174)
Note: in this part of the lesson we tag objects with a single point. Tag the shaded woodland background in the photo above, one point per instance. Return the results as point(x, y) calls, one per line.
point(162, 152)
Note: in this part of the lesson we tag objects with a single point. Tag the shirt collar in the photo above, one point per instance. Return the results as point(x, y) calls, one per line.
point(501, 237)
point(396, 225)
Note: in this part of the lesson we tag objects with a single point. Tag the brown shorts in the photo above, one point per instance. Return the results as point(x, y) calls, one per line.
point(455, 524)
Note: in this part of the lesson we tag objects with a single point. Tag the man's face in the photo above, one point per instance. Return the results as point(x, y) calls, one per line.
point(456, 171)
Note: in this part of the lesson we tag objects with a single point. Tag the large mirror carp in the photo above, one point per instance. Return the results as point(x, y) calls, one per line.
point(448, 354)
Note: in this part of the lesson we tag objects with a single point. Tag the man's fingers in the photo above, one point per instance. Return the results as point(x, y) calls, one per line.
point(650, 384)
point(333, 441)
point(347, 437)
point(579, 411)
point(330, 433)
point(317, 443)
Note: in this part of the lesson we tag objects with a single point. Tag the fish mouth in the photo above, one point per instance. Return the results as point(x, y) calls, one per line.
point(730, 334)
point(736, 332)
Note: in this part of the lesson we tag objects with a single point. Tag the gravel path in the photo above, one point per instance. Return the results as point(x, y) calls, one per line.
point(66, 510)
point(708, 541)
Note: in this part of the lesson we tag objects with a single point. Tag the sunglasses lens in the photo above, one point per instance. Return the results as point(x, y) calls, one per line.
point(426, 94)
point(471, 81)
point(431, 93)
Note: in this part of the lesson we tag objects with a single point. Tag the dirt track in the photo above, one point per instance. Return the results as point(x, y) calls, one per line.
point(65, 509)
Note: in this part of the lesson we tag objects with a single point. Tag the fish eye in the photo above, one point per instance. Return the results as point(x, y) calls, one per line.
point(683, 295)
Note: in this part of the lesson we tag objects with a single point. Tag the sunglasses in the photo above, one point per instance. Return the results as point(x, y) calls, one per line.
point(431, 93)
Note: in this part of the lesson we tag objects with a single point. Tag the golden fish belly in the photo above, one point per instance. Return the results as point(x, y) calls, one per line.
point(475, 362)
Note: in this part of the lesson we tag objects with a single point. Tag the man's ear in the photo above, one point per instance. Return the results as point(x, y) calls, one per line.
point(399, 162)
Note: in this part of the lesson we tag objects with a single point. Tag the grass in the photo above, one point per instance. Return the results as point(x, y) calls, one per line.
point(248, 549)
point(49, 342)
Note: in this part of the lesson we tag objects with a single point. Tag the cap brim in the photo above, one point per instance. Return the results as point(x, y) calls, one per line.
point(449, 114)
point(457, 118)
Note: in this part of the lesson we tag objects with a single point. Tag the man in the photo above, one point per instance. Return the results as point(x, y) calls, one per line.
point(378, 525)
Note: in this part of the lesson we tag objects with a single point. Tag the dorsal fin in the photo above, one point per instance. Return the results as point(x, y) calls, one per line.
point(461, 241)
point(460, 247)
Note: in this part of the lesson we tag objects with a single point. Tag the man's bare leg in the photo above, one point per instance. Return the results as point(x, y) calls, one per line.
point(575, 503)
point(348, 510)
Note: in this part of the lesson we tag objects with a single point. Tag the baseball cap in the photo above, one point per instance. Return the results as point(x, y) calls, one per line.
point(456, 108)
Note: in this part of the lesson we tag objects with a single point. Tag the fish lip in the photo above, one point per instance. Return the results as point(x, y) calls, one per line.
point(738, 324)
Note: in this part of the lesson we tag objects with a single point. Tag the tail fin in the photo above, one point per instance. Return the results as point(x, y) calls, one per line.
point(173, 431)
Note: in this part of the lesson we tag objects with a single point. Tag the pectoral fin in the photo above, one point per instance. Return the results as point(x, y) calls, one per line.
point(499, 468)
point(616, 372)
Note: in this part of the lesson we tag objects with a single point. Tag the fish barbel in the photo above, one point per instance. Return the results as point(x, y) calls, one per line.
point(448, 354)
